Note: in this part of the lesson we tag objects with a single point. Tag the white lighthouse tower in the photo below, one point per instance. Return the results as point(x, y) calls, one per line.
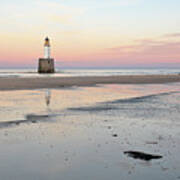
point(46, 64)
point(47, 48)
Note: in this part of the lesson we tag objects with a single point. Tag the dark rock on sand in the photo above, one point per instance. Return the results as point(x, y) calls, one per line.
point(115, 135)
point(34, 121)
point(142, 156)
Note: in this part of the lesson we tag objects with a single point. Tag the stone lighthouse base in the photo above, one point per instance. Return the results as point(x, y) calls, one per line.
point(46, 65)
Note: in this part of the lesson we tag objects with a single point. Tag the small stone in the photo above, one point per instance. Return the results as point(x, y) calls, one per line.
point(151, 142)
point(115, 135)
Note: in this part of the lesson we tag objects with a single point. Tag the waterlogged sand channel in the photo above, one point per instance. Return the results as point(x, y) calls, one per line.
point(82, 133)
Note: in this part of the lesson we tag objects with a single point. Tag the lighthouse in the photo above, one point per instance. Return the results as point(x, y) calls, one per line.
point(46, 64)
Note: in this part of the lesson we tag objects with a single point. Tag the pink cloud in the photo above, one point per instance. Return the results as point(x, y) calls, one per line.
point(173, 35)
point(146, 51)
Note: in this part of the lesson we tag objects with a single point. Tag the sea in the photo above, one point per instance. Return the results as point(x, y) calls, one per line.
point(26, 72)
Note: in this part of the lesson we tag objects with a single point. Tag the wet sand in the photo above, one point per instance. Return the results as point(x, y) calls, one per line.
point(94, 133)
point(58, 82)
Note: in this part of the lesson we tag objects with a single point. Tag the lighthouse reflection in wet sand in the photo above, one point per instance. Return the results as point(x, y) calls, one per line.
point(47, 48)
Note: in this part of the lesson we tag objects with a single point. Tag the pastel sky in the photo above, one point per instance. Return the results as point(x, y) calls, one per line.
point(91, 33)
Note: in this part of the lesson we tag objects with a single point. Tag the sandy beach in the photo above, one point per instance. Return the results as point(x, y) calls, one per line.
point(14, 83)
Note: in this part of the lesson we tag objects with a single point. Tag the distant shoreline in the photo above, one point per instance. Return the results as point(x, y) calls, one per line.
point(14, 83)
